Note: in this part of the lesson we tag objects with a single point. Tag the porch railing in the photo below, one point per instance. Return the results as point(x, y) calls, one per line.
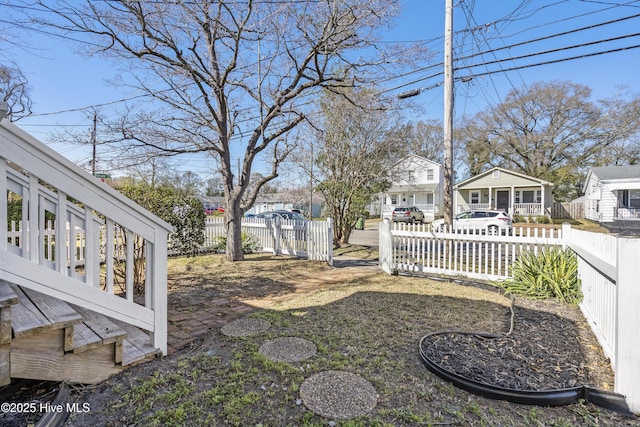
point(626, 213)
point(528, 209)
point(473, 207)
point(79, 240)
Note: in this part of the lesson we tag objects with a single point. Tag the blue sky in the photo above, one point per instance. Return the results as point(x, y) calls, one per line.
point(64, 82)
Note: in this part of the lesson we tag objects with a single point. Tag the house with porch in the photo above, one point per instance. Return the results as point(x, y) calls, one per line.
point(612, 195)
point(415, 181)
point(502, 189)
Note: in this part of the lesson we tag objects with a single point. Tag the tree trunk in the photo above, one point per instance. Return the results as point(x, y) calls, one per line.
point(233, 223)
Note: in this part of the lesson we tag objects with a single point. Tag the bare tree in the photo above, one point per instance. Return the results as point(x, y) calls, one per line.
point(14, 89)
point(236, 76)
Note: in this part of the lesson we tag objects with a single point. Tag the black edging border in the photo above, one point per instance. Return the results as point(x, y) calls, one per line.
point(558, 397)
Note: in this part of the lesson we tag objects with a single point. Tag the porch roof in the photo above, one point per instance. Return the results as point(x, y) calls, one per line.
point(517, 179)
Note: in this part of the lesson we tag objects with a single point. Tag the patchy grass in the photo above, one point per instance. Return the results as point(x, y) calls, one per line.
point(361, 321)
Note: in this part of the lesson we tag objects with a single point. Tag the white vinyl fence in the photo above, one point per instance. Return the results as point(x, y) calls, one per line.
point(312, 239)
point(606, 269)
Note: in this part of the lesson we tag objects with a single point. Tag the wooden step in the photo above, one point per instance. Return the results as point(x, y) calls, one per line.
point(97, 330)
point(42, 357)
point(137, 346)
point(7, 296)
point(37, 313)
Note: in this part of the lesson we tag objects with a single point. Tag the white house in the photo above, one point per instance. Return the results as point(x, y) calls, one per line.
point(612, 194)
point(415, 181)
point(505, 190)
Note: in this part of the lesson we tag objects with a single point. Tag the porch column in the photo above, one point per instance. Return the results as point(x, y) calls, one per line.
point(490, 197)
point(512, 200)
point(455, 202)
point(542, 207)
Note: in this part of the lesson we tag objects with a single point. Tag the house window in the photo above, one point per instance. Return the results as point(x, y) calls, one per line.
point(394, 199)
point(412, 176)
point(429, 198)
point(538, 196)
point(475, 197)
point(631, 198)
point(527, 196)
point(429, 174)
point(495, 174)
point(517, 197)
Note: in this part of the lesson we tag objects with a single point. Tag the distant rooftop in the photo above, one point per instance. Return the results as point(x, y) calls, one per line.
point(617, 172)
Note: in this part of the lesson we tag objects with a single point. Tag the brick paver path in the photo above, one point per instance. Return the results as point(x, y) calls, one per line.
point(189, 320)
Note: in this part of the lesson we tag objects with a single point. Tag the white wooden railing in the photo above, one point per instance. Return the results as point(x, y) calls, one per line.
point(312, 239)
point(94, 228)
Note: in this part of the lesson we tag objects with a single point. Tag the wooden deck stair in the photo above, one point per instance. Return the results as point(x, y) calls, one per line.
point(47, 339)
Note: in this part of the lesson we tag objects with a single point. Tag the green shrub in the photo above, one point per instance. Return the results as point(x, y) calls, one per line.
point(184, 213)
point(250, 243)
point(543, 219)
point(518, 218)
point(552, 273)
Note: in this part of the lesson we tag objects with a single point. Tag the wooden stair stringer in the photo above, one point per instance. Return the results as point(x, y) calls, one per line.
point(8, 298)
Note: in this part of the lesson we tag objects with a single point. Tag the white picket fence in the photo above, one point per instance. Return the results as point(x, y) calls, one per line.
point(416, 248)
point(16, 234)
point(606, 269)
point(312, 239)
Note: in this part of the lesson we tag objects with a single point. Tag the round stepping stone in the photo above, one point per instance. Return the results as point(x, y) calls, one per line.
point(288, 349)
point(338, 394)
point(245, 327)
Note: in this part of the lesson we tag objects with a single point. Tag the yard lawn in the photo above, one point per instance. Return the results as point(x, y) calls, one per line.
point(361, 321)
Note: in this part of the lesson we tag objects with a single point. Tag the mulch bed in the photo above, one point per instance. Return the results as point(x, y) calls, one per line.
point(543, 352)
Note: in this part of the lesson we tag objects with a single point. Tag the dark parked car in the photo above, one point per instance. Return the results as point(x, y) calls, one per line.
point(407, 214)
point(287, 218)
point(282, 214)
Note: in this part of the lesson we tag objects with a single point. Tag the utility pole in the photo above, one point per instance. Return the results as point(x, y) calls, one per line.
point(311, 184)
point(448, 113)
point(93, 142)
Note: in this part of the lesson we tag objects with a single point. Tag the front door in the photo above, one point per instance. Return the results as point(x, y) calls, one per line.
point(502, 200)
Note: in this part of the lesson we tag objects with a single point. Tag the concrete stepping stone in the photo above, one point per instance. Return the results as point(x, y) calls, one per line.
point(338, 395)
point(288, 349)
point(245, 327)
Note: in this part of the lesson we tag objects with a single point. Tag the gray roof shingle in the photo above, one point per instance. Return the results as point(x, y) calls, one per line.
point(617, 172)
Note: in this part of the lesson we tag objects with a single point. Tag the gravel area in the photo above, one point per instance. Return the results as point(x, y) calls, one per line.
point(338, 395)
point(245, 327)
point(288, 349)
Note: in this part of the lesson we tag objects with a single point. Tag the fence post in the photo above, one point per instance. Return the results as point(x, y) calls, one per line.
point(277, 233)
point(385, 247)
point(566, 235)
point(330, 241)
point(627, 348)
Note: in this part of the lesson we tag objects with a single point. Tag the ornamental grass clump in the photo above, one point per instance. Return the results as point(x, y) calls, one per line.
point(551, 273)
